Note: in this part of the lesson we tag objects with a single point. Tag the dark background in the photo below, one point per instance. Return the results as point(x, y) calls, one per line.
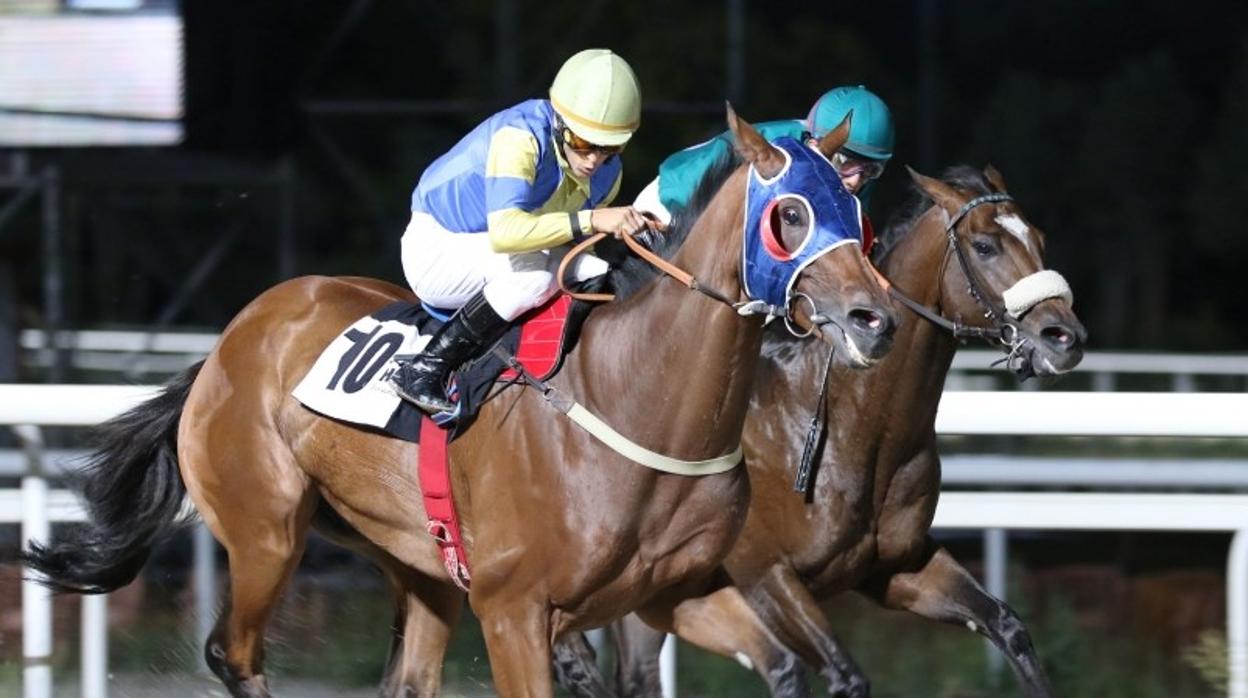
point(1119, 126)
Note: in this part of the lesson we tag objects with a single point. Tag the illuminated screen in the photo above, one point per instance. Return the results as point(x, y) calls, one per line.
point(90, 72)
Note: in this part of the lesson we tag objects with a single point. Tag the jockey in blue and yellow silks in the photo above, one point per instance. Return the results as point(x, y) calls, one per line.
point(493, 217)
point(859, 163)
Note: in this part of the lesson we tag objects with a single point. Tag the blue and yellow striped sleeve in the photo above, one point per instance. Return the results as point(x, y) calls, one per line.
point(510, 170)
point(615, 191)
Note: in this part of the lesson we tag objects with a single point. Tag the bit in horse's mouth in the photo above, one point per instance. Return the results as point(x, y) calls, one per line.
point(857, 358)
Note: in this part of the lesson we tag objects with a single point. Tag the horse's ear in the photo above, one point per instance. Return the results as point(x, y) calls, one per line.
point(995, 178)
point(835, 139)
point(751, 145)
point(941, 193)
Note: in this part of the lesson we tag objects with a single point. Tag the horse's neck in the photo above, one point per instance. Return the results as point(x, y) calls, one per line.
point(923, 350)
point(890, 409)
point(669, 367)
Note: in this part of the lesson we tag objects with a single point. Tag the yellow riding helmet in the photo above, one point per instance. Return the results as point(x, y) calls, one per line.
point(597, 95)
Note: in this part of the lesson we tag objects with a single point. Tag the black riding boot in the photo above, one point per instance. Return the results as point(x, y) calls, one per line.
point(466, 336)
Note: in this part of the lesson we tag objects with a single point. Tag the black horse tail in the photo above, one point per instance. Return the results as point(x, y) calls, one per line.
point(133, 492)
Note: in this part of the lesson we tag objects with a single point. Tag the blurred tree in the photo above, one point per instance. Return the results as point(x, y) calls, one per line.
point(1135, 131)
point(1037, 149)
point(1215, 235)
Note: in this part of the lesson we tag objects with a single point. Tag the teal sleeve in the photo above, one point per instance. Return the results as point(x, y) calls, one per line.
point(680, 173)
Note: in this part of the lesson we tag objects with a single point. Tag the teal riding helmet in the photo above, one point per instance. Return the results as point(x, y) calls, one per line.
point(870, 132)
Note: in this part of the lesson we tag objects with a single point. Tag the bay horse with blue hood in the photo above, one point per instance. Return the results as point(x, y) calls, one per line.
point(562, 532)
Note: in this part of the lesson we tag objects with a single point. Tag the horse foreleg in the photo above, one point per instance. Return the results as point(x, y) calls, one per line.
point(722, 622)
point(576, 668)
point(943, 590)
point(791, 611)
point(426, 612)
point(517, 636)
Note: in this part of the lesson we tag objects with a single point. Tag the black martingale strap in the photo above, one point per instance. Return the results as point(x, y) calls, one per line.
point(814, 433)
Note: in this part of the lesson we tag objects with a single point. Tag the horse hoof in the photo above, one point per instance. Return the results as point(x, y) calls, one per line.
point(852, 687)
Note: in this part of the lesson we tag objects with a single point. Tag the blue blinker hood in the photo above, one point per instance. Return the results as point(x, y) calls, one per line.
point(769, 270)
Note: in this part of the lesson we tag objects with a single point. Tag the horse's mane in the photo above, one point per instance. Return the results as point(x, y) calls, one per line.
point(631, 273)
point(962, 177)
point(781, 346)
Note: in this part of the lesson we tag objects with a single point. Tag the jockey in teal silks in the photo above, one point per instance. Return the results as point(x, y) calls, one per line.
point(859, 163)
point(494, 216)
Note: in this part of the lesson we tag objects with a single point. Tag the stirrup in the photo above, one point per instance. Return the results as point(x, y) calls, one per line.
point(424, 399)
point(429, 404)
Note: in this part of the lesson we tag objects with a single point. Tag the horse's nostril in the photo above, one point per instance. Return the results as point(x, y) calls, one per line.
point(869, 320)
point(1058, 336)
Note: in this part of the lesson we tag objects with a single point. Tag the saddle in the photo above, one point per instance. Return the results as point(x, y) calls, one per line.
point(350, 382)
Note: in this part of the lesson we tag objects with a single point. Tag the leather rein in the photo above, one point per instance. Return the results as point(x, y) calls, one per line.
point(644, 252)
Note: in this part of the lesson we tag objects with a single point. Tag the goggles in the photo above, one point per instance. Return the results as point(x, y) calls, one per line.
point(848, 165)
point(582, 147)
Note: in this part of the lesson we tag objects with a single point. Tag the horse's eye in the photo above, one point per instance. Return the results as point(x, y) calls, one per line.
point(790, 216)
point(982, 249)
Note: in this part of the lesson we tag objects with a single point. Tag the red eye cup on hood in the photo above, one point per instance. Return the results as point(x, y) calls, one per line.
point(769, 233)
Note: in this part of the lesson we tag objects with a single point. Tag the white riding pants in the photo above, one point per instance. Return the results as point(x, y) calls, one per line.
point(447, 268)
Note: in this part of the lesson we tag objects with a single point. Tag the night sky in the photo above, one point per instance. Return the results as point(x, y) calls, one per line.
point(1117, 125)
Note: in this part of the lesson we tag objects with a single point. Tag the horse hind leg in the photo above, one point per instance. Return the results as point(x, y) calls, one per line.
point(426, 611)
point(262, 557)
point(258, 504)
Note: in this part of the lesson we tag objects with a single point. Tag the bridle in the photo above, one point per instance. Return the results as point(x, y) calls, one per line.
point(1003, 329)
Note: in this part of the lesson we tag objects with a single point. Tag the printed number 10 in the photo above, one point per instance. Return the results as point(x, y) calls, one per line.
point(367, 355)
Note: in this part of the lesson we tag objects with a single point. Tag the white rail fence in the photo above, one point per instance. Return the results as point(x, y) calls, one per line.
point(979, 412)
point(1107, 367)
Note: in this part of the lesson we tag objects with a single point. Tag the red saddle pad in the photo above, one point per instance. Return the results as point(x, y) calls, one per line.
point(541, 337)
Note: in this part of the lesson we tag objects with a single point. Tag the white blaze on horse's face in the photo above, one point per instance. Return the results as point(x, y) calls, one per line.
point(1016, 227)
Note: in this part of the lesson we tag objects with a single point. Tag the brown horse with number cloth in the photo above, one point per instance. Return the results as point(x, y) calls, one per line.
point(964, 258)
point(563, 533)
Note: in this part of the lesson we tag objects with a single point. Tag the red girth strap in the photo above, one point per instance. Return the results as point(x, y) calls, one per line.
point(435, 485)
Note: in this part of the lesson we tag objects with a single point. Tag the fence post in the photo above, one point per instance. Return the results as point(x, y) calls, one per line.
point(205, 586)
point(1237, 615)
point(996, 565)
point(36, 599)
point(94, 664)
point(667, 667)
